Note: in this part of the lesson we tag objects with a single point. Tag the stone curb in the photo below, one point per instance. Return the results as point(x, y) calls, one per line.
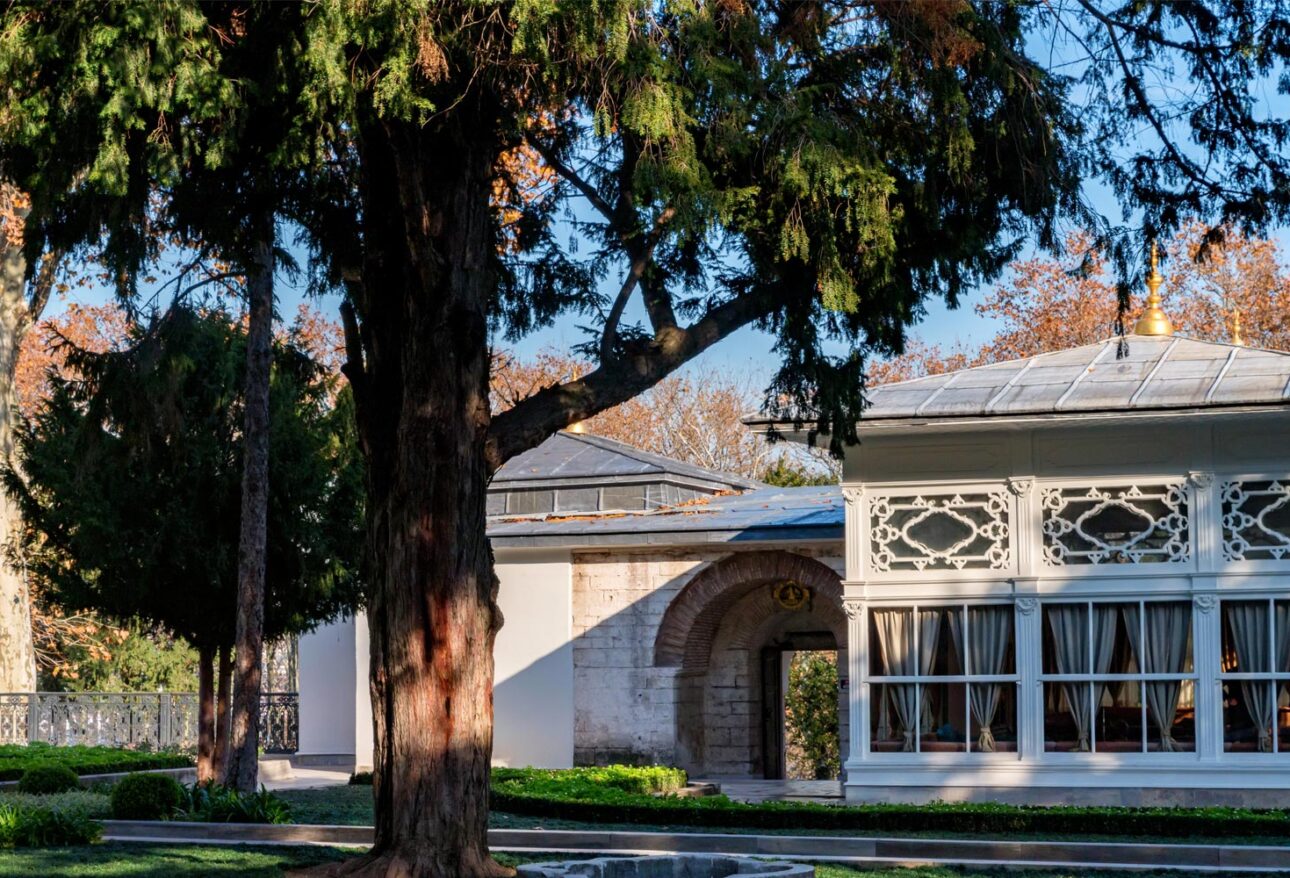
point(903, 851)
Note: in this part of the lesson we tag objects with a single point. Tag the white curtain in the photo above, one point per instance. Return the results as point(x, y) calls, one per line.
point(896, 639)
point(1164, 652)
point(1071, 642)
point(1249, 626)
point(989, 642)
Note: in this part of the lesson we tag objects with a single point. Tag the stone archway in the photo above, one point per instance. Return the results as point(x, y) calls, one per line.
point(719, 631)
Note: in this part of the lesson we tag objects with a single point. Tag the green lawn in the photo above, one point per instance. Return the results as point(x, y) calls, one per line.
point(117, 860)
point(352, 806)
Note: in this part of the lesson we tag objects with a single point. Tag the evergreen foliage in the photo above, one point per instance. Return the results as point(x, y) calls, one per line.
point(146, 797)
point(43, 779)
point(786, 473)
point(130, 485)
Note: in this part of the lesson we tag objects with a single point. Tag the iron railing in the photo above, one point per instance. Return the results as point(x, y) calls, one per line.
point(133, 719)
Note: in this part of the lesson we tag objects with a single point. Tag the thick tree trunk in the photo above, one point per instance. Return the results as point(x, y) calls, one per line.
point(423, 413)
point(223, 697)
point(205, 714)
point(242, 770)
point(17, 651)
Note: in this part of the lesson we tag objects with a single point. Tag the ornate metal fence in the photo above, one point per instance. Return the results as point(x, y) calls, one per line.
point(133, 719)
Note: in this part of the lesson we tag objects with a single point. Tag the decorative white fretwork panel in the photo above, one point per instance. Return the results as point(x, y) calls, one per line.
point(1129, 524)
point(950, 532)
point(1256, 520)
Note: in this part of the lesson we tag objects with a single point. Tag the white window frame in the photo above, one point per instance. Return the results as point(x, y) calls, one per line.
point(1274, 677)
point(872, 681)
point(1140, 678)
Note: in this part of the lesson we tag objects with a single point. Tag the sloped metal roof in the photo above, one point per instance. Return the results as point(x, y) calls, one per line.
point(581, 457)
point(764, 514)
point(1154, 373)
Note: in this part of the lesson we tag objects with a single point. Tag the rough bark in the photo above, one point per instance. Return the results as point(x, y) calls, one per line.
point(423, 417)
point(223, 697)
point(205, 715)
point(17, 650)
point(242, 769)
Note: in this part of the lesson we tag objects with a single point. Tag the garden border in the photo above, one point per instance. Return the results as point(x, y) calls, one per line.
point(183, 775)
point(890, 851)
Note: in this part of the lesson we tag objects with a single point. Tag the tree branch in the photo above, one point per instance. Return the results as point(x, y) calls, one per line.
point(553, 408)
point(588, 191)
point(42, 285)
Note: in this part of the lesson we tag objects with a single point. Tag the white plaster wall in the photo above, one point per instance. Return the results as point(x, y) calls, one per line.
point(328, 685)
point(533, 660)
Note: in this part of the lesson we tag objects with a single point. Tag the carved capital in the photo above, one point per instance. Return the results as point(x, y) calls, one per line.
point(1026, 606)
point(1020, 487)
point(852, 493)
point(853, 607)
point(1205, 603)
point(1200, 479)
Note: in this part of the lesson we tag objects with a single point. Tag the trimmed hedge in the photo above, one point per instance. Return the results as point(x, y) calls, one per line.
point(146, 797)
point(45, 779)
point(563, 795)
point(16, 759)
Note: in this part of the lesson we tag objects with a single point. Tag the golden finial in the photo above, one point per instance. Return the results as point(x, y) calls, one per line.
point(1237, 338)
point(1153, 320)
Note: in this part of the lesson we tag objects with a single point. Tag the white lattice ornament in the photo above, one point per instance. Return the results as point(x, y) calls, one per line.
point(1256, 520)
point(1130, 524)
point(956, 532)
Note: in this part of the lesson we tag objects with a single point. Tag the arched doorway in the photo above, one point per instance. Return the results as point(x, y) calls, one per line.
point(732, 632)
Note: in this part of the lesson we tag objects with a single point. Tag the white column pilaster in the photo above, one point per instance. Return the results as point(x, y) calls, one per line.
point(857, 509)
point(1206, 657)
point(858, 692)
point(1030, 692)
point(1206, 521)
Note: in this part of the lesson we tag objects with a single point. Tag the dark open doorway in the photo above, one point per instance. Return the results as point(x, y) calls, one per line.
point(783, 753)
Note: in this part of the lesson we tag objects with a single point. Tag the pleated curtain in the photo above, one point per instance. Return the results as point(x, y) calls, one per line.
point(1168, 631)
point(1072, 644)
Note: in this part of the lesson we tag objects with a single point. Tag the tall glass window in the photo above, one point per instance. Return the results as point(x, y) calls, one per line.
point(1118, 677)
point(1256, 676)
point(943, 679)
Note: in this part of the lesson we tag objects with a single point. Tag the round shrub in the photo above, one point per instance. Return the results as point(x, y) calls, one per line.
point(360, 779)
point(44, 779)
point(146, 797)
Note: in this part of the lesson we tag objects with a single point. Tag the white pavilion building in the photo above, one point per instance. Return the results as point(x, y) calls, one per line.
point(1059, 579)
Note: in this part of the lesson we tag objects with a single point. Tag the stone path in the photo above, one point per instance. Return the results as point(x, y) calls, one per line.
point(758, 790)
point(1077, 856)
point(300, 778)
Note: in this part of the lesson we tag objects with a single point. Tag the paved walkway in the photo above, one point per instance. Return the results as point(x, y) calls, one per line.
point(300, 778)
point(759, 790)
point(1076, 856)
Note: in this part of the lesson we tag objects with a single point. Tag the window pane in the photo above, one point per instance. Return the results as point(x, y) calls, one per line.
point(1246, 648)
point(578, 499)
point(993, 727)
point(496, 503)
point(1247, 716)
point(530, 502)
point(944, 715)
point(936, 627)
point(1066, 639)
point(891, 642)
point(1119, 717)
point(1283, 717)
point(893, 709)
point(1067, 720)
point(1181, 735)
point(623, 497)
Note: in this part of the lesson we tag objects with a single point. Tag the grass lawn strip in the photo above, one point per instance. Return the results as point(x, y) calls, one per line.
point(119, 860)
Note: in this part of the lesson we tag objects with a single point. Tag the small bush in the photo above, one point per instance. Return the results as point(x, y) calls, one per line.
point(146, 797)
point(213, 803)
point(361, 779)
point(27, 826)
point(92, 804)
point(48, 779)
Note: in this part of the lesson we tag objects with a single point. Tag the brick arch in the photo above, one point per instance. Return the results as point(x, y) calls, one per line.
point(690, 622)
